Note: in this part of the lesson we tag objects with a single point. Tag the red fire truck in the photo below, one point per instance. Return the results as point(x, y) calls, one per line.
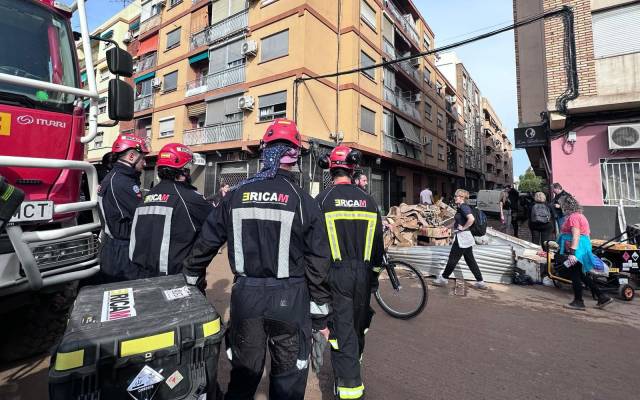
point(45, 248)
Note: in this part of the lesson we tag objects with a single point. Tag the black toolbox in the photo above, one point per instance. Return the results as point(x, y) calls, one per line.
point(152, 339)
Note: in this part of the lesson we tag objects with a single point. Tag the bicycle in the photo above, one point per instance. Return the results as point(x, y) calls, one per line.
point(402, 292)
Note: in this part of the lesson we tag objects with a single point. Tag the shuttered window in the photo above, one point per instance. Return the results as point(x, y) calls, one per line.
point(275, 46)
point(387, 28)
point(223, 110)
point(166, 127)
point(616, 31)
point(367, 120)
point(366, 61)
point(173, 38)
point(170, 81)
point(272, 106)
point(368, 14)
point(226, 57)
point(428, 113)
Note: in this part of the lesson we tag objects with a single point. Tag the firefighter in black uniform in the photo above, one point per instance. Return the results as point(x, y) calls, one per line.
point(354, 229)
point(167, 223)
point(279, 254)
point(118, 196)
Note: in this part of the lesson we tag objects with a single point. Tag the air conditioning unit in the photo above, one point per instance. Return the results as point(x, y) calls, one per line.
point(249, 48)
point(624, 137)
point(417, 98)
point(246, 103)
point(161, 3)
point(414, 62)
point(128, 37)
point(156, 83)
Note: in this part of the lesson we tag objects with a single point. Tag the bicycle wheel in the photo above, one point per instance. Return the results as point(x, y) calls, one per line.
point(411, 296)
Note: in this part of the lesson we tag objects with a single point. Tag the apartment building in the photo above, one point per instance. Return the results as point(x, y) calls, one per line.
point(117, 29)
point(593, 146)
point(498, 150)
point(470, 106)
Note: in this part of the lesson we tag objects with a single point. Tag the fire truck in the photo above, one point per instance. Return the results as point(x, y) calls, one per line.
point(45, 248)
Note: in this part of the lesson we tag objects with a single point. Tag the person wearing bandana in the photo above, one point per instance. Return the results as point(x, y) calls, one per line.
point(279, 254)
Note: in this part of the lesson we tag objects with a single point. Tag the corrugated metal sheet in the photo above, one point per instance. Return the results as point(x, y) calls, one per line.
point(495, 261)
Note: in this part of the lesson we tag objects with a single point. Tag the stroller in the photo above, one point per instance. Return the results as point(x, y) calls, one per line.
point(622, 273)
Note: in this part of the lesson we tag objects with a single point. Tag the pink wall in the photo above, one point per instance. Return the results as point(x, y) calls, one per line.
point(577, 169)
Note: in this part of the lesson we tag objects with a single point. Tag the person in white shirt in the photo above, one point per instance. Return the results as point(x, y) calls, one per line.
point(426, 197)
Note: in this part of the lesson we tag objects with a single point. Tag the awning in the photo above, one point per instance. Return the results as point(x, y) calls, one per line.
point(107, 35)
point(148, 45)
point(198, 57)
point(134, 25)
point(196, 110)
point(410, 131)
point(144, 77)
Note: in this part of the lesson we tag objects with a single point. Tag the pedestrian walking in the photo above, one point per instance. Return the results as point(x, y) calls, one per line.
point(354, 228)
point(166, 224)
point(279, 254)
point(560, 196)
point(509, 207)
point(541, 225)
point(361, 181)
point(426, 197)
point(575, 244)
point(463, 243)
point(118, 196)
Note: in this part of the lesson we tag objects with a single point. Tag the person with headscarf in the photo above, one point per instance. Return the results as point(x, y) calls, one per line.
point(279, 254)
point(575, 245)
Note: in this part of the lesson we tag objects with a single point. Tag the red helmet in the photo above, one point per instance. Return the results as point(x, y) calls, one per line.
point(126, 142)
point(282, 129)
point(341, 157)
point(174, 155)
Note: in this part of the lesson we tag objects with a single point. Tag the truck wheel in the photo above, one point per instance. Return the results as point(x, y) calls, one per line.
point(626, 292)
point(37, 327)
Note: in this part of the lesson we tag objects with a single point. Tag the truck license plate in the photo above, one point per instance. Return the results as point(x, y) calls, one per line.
point(33, 211)
point(623, 281)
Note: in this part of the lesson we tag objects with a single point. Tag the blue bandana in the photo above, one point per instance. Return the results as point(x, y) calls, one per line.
point(271, 157)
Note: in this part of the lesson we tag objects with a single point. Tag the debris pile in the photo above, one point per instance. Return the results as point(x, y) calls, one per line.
point(409, 225)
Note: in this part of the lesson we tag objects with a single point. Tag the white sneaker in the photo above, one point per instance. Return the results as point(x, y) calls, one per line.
point(481, 285)
point(546, 281)
point(440, 281)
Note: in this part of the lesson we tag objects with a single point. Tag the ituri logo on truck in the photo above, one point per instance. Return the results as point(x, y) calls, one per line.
point(28, 120)
point(25, 120)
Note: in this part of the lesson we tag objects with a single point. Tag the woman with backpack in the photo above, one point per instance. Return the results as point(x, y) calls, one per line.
point(541, 225)
point(462, 243)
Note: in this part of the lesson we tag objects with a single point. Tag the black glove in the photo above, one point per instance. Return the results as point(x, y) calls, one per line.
point(373, 279)
point(318, 345)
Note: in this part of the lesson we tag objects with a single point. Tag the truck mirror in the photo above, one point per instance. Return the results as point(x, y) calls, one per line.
point(120, 62)
point(120, 100)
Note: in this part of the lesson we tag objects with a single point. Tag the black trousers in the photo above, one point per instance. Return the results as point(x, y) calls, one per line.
point(577, 278)
point(454, 257)
point(114, 261)
point(350, 319)
point(274, 313)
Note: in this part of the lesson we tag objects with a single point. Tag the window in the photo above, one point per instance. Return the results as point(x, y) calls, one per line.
point(173, 3)
point(226, 57)
point(440, 152)
point(144, 88)
point(367, 120)
point(428, 110)
point(439, 88)
point(104, 74)
point(223, 111)
point(166, 127)
point(620, 181)
point(173, 38)
point(102, 105)
point(272, 106)
point(97, 141)
point(366, 61)
point(440, 121)
point(171, 81)
point(427, 76)
point(428, 145)
point(274, 46)
point(427, 42)
point(616, 31)
point(368, 14)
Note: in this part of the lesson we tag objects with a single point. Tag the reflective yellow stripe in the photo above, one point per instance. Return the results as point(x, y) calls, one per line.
point(147, 344)
point(377, 269)
point(334, 343)
point(211, 328)
point(350, 393)
point(66, 361)
point(332, 217)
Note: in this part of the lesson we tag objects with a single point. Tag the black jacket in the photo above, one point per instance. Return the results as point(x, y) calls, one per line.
point(559, 199)
point(165, 228)
point(353, 224)
point(118, 196)
point(274, 230)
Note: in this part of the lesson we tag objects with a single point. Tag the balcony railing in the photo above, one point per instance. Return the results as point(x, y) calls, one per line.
point(214, 134)
point(410, 70)
point(216, 80)
point(222, 29)
point(402, 22)
point(146, 62)
point(143, 103)
point(396, 146)
point(150, 23)
point(451, 135)
point(401, 102)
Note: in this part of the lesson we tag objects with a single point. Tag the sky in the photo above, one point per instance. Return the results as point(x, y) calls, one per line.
point(491, 62)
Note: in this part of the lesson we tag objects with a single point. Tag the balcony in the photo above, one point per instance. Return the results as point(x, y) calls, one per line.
point(222, 29)
point(150, 23)
point(214, 134)
point(403, 23)
point(452, 135)
point(396, 146)
point(147, 62)
point(216, 80)
point(402, 101)
point(143, 103)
